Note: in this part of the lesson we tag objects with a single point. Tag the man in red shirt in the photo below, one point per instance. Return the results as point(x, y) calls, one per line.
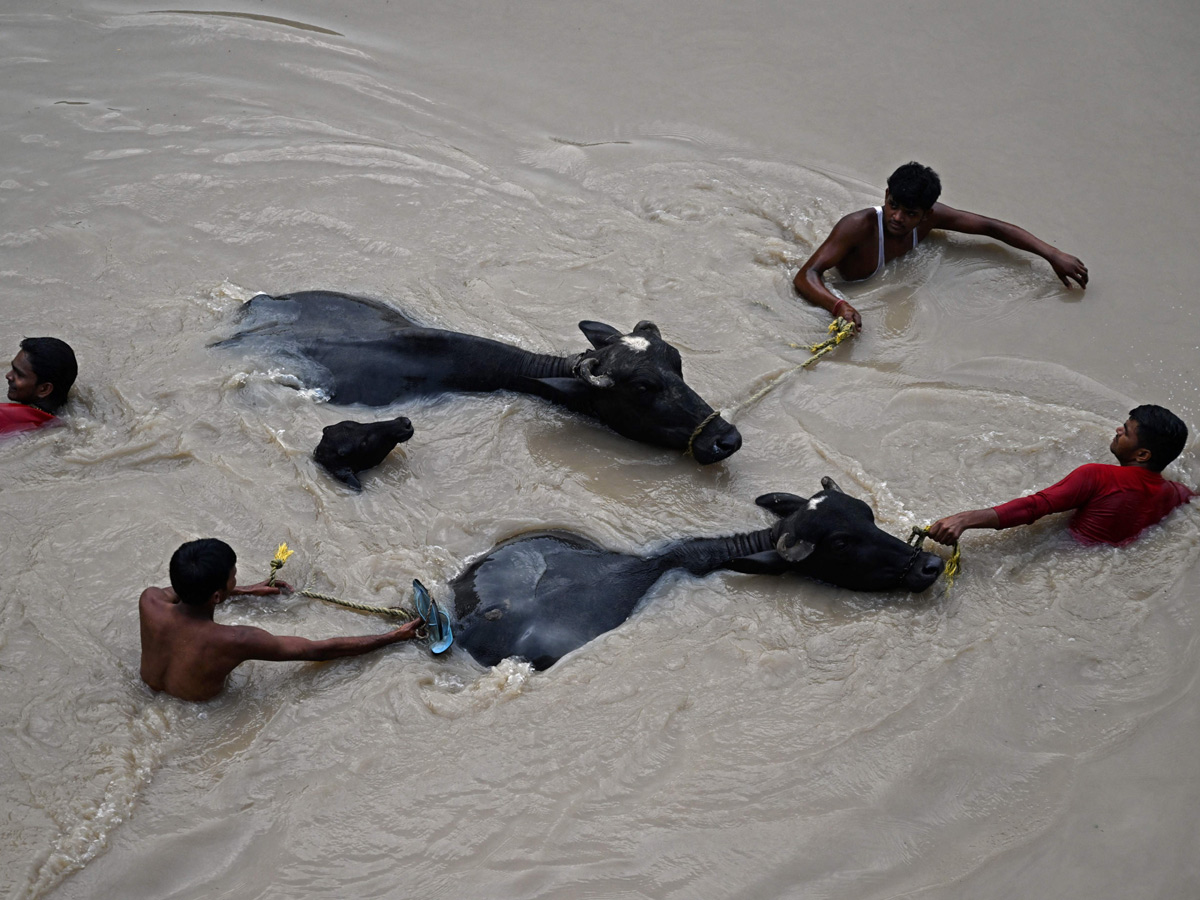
point(41, 376)
point(1112, 504)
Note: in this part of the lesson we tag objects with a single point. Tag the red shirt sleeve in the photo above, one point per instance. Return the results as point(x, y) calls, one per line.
point(18, 417)
point(1070, 493)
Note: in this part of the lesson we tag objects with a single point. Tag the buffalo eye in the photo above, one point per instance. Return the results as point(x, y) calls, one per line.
point(838, 542)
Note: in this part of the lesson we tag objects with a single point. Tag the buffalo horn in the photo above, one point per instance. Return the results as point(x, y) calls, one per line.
point(587, 372)
point(830, 485)
point(793, 552)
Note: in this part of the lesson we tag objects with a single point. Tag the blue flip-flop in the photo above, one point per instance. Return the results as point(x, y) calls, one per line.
point(422, 601)
point(441, 636)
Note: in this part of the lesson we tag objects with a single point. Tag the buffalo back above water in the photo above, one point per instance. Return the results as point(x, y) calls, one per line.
point(541, 595)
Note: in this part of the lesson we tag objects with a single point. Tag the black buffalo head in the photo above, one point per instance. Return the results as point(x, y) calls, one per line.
point(350, 447)
point(635, 386)
point(833, 537)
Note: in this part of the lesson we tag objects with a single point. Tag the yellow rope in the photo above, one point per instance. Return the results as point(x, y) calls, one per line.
point(839, 330)
point(917, 539)
point(281, 556)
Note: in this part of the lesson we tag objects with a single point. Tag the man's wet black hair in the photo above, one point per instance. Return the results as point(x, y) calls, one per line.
point(199, 568)
point(1161, 432)
point(52, 361)
point(914, 186)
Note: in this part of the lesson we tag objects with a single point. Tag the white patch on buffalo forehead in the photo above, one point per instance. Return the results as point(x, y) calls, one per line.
point(636, 343)
point(814, 503)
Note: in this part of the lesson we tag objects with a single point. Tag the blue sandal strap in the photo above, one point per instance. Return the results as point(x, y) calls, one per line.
point(441, 635)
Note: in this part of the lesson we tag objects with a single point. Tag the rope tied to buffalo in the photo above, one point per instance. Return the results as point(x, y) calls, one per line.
point(399, 612)
point(917, 539)
point(839, 330)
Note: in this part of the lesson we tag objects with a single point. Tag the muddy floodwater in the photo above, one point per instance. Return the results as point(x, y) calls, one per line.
point(510, 170)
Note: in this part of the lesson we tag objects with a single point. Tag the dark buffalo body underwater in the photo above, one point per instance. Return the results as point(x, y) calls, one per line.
point(541, 595)
point(360, 351)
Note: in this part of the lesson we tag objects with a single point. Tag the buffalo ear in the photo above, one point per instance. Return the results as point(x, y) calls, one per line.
point(347, 475)
point(782, 504)
point(830, 485)
point(794, 551)
point(597, 333)
point(647, 326)
point(766, 563)
point(560, 390)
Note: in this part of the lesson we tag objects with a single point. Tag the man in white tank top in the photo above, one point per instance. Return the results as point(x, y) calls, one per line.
point(863, 241)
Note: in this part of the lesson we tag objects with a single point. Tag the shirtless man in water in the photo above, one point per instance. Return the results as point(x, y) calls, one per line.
point(863, 241)
point(189, 656)
point(1112, 504)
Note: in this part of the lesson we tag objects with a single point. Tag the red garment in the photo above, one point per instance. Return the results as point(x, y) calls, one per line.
point(1113, 503)
point(18, 417)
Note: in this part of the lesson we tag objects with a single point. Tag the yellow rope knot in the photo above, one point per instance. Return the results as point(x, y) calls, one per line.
point(917, 539)
point(840, 329)
point(281, 556)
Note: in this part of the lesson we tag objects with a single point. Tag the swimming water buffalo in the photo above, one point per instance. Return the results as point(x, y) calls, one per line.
point(348, 448)
point(541, 595)
point(361, 351)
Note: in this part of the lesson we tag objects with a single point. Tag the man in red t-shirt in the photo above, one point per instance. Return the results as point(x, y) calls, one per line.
point(1112, 504)
point(41, 375)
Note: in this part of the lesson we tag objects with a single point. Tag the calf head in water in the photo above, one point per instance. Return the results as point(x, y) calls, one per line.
point(349, 447)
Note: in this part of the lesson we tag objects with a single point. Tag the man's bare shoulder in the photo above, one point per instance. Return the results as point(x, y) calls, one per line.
point(860, 221)
point(156, 598)
point(947, 217)
point(847, 235)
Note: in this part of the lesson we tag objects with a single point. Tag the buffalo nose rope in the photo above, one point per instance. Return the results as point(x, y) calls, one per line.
point(917, 538)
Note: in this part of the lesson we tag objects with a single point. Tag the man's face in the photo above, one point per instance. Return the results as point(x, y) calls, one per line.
point(900, 220)
point(23, 385)
point(1124, 444)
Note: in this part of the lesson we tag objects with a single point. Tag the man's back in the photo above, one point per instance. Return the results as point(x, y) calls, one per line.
point(189, 656)
point(183, 654)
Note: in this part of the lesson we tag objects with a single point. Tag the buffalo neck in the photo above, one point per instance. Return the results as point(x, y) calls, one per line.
point(703, 555)
point(471, 363)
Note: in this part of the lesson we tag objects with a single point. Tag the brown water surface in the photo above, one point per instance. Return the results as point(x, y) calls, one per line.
point(511, 169)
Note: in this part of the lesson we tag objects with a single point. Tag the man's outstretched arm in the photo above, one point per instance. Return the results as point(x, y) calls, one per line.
point(810, 280)
point(1070, 493)
point(1065, 265)
point(950, 529)
point(263, 589)
point(255, 643)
